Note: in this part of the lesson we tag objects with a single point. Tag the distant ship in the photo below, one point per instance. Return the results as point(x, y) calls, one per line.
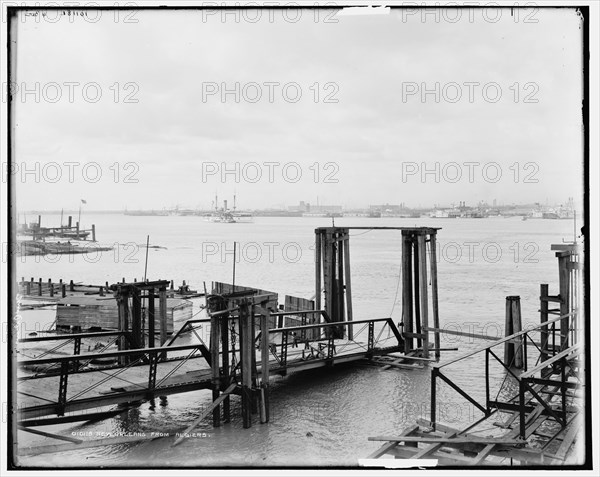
point(228, 216)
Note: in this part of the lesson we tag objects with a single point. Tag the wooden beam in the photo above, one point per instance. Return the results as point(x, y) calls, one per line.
point(205, 413)
point(48, 434)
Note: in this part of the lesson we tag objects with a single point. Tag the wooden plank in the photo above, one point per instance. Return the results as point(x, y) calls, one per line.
point(467, 439)
point(51, 421)
point(386, 447)
point(574, 429)
point(205, 413)
point(50, 435)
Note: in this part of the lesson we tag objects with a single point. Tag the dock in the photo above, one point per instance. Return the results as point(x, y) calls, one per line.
point(534, 415)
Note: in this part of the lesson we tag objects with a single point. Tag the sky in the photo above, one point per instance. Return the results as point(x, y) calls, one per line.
point(163, 108)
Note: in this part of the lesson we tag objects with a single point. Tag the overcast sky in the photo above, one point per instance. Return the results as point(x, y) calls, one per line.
point(361, 119)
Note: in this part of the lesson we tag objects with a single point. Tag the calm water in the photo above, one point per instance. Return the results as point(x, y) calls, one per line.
point(322, 418)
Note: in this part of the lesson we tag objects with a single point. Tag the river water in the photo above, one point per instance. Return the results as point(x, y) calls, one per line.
point(318, 418)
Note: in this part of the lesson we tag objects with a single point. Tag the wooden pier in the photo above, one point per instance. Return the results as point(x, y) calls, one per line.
point(537, 424)
point(250, 340)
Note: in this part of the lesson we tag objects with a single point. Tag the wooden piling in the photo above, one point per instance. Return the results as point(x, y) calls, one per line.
point(40, 287)
point(545, 348)
point(407, 297)
point(101, 290)
point(513, 352)
point(246, 348)
point(70, 221)
point(318, 249)
point(423, 292)
point(215, 366)
point(417, 289)
point(162, 310)
point(226, 377)
point(434, 291)
point(71, 286)
point(50, 287)
point(151, 318)
point(339, 243)
point(63, 288)
point(564, 289)
point(348, 284)
point(136, 318)
point(93, 232)
point(264, 354)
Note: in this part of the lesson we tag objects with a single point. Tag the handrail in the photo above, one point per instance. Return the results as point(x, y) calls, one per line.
point(503, 340)
point(529, 373)
point(111, 354)
point(326, 325)
point(71, 336)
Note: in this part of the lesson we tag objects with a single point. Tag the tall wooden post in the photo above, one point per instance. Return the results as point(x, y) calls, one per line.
point(226, 374)
point(423, 292)
point(136, 318)
point(545, 353)
point(246, 348)
point(123, 343)
point(434, 291)
point(339, 244)
point(151, 318)
point(162, 311)
point(215, 366)
point(564, 288)
point(407, 296)
point(417, 289)
point(264, 367)
point(318, 271)
point(93, 232)
point(513, 352)
point(348, 284)
point(253, 369)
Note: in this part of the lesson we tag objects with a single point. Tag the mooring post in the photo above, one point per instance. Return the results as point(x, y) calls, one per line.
point(63, 288)
point(70, 222)
point(40, 287)
point(71, 286)
point(214, 365)
point(93, 232)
